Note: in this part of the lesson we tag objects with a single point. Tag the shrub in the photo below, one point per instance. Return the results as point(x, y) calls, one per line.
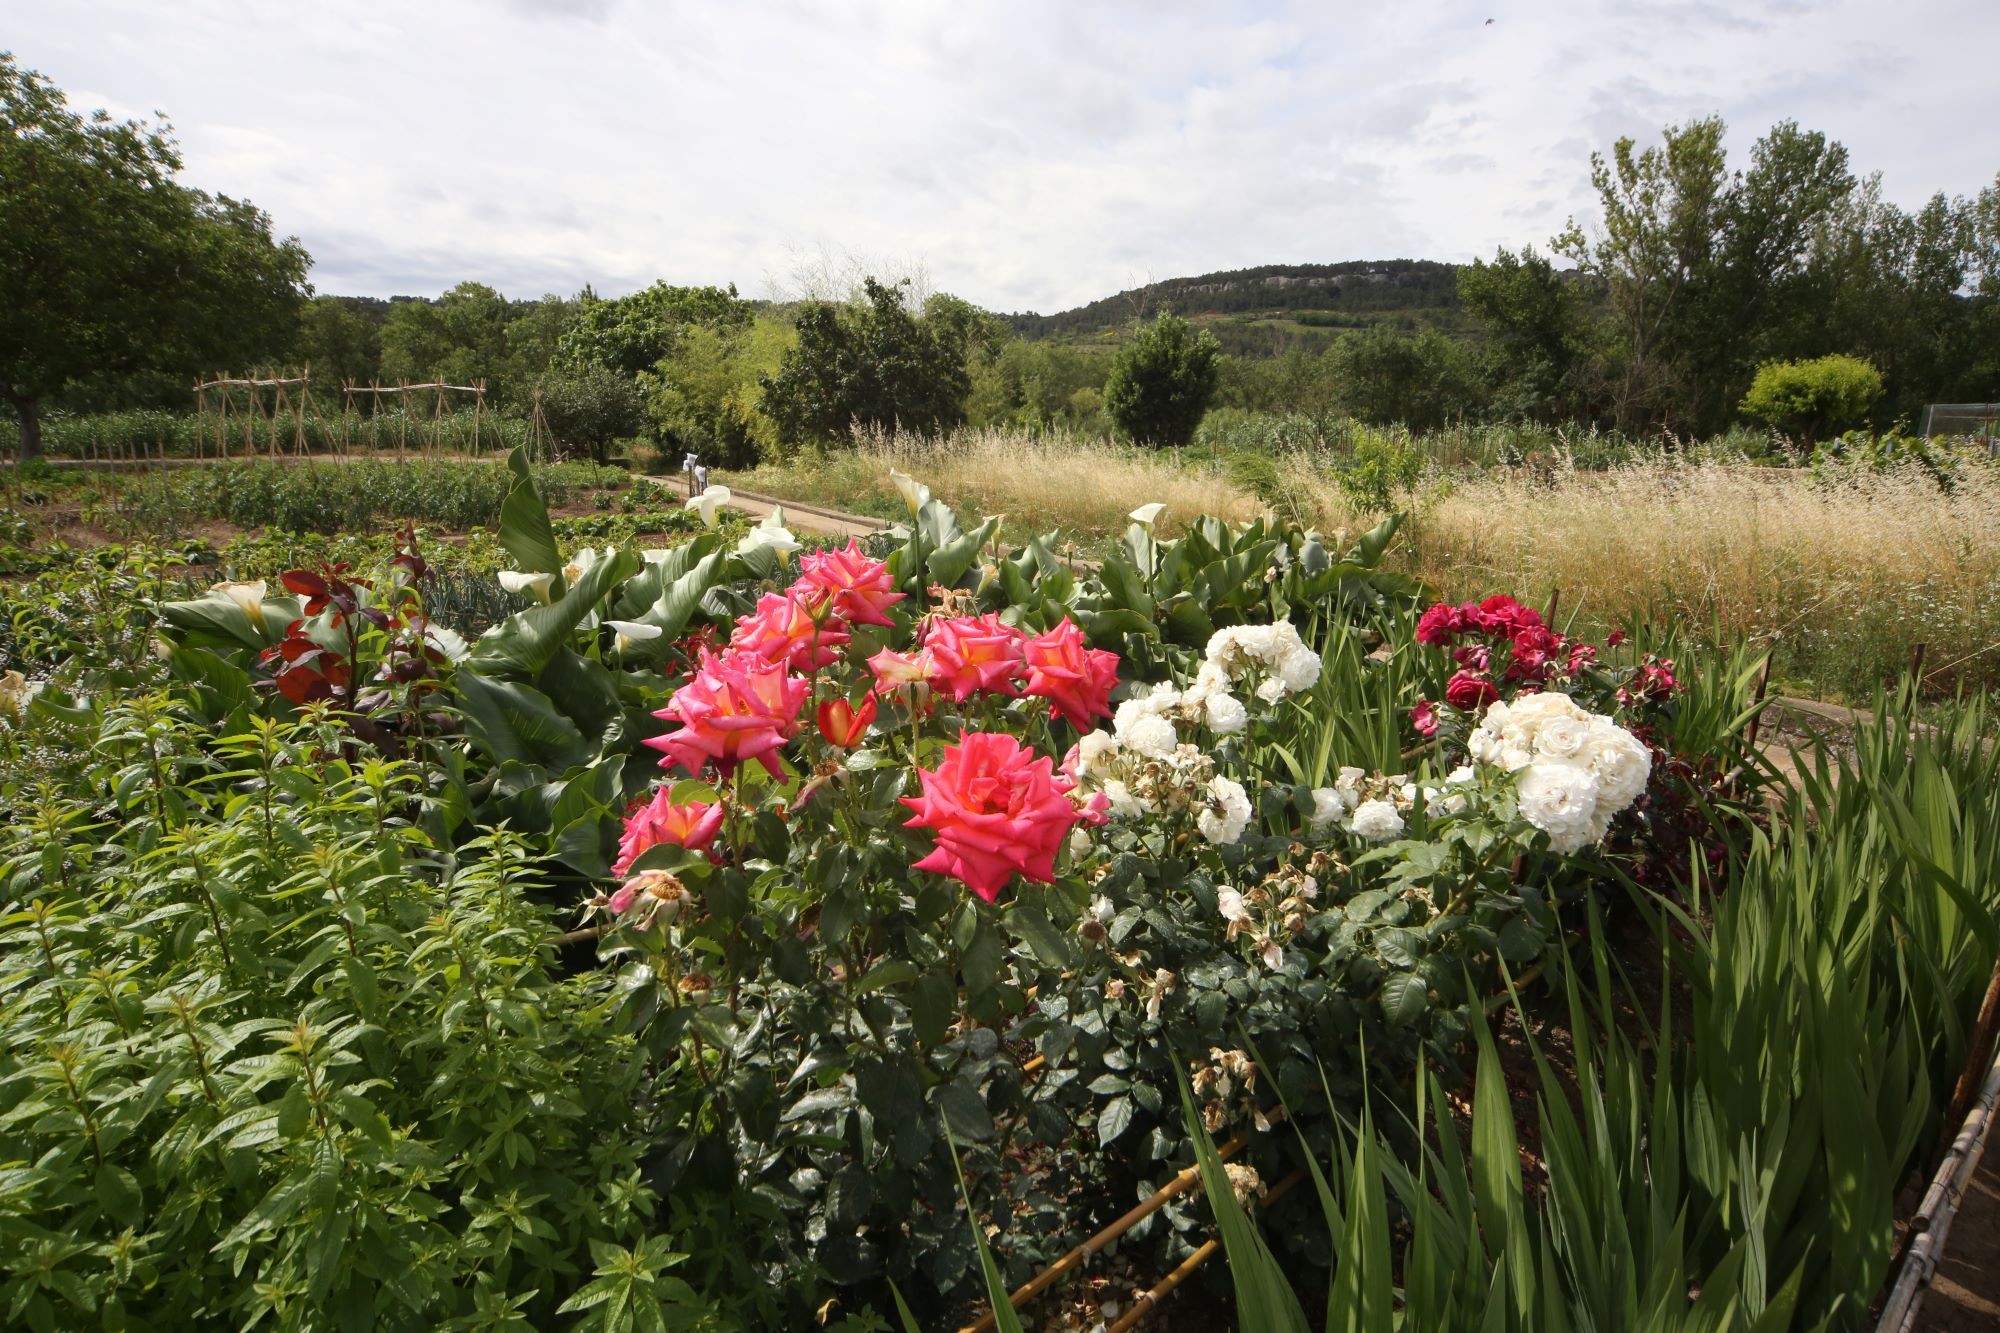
point(591, 408)
point(1809, 399)
point(1163, 381)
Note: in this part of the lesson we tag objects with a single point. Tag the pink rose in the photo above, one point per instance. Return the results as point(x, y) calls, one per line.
point(998, 810)
point(1424, 717)
point(842, 724)
point(1077, 681)
point(860, 589)
point(899, 671)
point(974, 654)
point(734, 708)
point(784, 629)
point(692, 825)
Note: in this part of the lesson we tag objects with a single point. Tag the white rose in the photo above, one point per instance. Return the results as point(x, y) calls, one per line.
point(1620, 763)
point(1148, 734)
point(1299, 669)
point(1229, 903)
point(1102, 910)
point(1561, 800)
point(1079, 844)
point(1377, 821)
point(1123, 803)
point(1227, 812)
point(1328, 806)
point(1226, 714)
point(1094, 751)
point(1561, 737)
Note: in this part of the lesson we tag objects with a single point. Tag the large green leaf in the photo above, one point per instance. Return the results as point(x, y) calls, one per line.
point(217, 620)
point(524, 643)
point(514, 722)
point(524, 522)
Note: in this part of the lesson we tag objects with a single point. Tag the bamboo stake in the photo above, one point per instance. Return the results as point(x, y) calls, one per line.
point(1932, 1223)
point(1143, 1308)
point(1049, 1276)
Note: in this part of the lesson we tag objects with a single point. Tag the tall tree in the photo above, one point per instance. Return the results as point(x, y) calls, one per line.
point(1163, 381)
point(874, 362)
point(108, 266)
point(1537, 334)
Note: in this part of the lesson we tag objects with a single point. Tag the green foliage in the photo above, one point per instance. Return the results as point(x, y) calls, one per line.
point(339, 497)
point(276, 1053)
point(633, 334)
point(1809, 399)
point(114, 268)
point(874, 363)
point(703, 396)
point(1162, 382)
point(591, 409)
point(1386, 464)
point(1425, 381)
point(1733, 1163)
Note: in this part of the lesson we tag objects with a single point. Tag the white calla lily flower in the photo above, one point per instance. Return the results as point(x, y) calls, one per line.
point(580, 563)
point(536, 586)
point(1149, 514)
point(249, 596)
point(632, 631)
point(709, 504)
point(773, 533)
point(914, 492)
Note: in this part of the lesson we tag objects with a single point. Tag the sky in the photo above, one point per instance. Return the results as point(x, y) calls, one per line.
point(1023, 154)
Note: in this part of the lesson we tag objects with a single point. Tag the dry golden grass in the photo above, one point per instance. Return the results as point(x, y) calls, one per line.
point(1084, 486)
point(1852, 570)
point(1849, 571)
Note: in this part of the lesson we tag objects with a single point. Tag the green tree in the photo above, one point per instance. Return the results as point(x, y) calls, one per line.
point(1537, 334)
point(109, 267)
point(873, 362)
point(591, 408)
point(632, 334)
point(337, 342)
point(1422, 380)
point(1162, 382)
point(460, 338)
point(1703, 272)
point(703, 396)
point(1812, 399)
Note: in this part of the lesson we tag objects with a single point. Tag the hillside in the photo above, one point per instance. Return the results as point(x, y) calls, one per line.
point(1274, 306)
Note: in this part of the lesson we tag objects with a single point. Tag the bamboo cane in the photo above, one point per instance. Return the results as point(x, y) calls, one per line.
point(1149, 1301)
point(1054, 1272)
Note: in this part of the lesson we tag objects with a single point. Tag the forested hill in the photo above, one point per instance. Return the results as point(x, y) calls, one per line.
point(1333, 296)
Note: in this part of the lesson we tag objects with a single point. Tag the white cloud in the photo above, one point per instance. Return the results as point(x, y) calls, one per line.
point(1036, 154)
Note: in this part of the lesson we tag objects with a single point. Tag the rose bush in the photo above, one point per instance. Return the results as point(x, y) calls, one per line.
point(952, 841)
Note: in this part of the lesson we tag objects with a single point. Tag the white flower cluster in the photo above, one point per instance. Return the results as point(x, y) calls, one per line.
point(1274, 652)
point(1371, 807)
point(1142, 773)
point(1574, 770)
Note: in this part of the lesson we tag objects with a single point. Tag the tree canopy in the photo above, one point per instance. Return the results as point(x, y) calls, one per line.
point(1162, 383)
point(109, 267)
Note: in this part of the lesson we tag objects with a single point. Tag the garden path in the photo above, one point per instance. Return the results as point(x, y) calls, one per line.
point(800, 517)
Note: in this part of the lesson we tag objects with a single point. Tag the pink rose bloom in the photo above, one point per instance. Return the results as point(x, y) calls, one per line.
point(974, 654)
point(734, 708)
point(899, 671)
point(782, 629)
point(860, 589)
point(998, 810)
point(1468, 692)
point(1424, 717)
point(1077, 681)
point(693, 826)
